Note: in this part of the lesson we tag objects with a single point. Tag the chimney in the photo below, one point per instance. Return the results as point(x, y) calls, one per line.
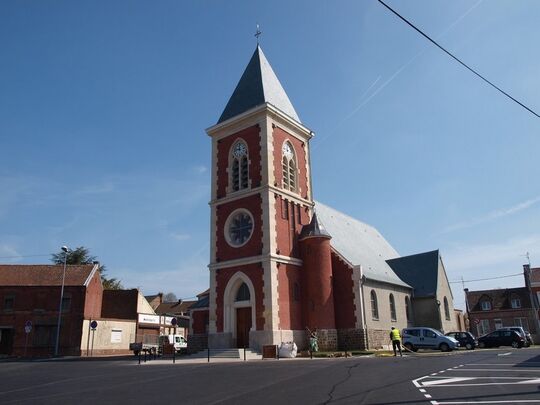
point(527, 275)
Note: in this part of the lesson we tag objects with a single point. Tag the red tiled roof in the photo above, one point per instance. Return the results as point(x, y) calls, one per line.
point(43, 274)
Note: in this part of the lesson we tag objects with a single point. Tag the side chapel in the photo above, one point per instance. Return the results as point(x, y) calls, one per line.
point(280, 263)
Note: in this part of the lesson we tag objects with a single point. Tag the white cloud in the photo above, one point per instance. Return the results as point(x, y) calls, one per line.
point(493, 215)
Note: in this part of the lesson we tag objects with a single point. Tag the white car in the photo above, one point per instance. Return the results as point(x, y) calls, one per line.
point(427, 338)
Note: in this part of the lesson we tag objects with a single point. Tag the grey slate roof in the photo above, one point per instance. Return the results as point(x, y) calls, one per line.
point(419, 270)
point(258, 85)
point(360, 244)
point(314, 229)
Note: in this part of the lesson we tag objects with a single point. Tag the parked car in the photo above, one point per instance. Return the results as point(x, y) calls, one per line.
point(522, 332)
point(465, 339)
point(501, 338)
point(427, 338)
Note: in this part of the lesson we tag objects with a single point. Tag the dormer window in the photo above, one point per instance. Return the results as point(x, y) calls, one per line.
point(289, 170)
point(239, 166)
point(486, 305)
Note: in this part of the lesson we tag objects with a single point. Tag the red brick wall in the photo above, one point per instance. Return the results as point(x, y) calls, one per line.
point(94, 297)
point(39, 305)
point(120, 304)
point(251, 136)
point(343, 294)
point(290, 304)
point(255, 273)
point(200, 321)
point(290, 217)
point(279, 137)
point(254, 246)
point(317, 283)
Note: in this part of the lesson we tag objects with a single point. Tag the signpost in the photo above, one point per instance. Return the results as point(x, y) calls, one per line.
point(27, 330)
point(93, 326)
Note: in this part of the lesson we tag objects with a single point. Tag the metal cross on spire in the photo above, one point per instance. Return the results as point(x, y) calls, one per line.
point(258, 34)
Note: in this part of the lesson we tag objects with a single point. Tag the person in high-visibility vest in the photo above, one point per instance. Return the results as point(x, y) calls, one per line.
point(395, 337)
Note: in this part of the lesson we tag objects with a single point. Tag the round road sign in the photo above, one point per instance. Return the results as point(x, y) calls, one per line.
point(477, 321)
point(28, 329)
point(174, 322)
point(28, 323)
point(93, 324)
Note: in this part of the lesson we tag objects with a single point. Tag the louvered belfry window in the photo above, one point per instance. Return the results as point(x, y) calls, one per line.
point(288, 166)
point(239, 166)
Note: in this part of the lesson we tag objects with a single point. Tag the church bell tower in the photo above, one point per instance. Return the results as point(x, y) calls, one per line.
point(261, 198)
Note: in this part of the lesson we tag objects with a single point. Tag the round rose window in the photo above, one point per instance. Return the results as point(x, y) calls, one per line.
point(239, 228)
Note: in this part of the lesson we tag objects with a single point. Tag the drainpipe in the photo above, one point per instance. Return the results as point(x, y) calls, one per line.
point(362, 306)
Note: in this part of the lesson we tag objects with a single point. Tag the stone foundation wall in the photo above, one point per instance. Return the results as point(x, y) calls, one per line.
point(379, 339)
point(197, 342)
point(351, 339)
point(328, 339)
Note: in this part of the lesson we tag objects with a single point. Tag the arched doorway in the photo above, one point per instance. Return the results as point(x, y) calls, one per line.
point(239, 309)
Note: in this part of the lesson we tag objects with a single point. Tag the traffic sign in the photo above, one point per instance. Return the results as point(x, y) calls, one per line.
point(174, 322)
point(477, 321)
point(93, 325)
point(28, 329)
point(28, 323)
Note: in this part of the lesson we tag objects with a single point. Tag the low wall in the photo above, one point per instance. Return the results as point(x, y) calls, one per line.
point(197, 342)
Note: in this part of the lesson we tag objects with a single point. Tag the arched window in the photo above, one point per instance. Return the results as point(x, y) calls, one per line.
point(446, 309)
point(393, 315)
point(243, 293)
point(408, 308)
point(288, 166)
point(374, 305)
point(239, 166)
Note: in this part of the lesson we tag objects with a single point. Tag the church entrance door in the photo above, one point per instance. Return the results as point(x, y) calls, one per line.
point(243, 325)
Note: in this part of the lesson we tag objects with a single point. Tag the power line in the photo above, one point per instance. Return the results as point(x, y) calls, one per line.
point(456, 59)
point(484, 279)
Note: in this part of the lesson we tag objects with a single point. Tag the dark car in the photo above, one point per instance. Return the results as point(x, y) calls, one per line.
point(465, 339)
point(522, 332)
point(501, 338)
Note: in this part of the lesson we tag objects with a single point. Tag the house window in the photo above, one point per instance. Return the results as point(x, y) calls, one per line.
point(407, 308)
point(243, 293)
point(483, 327)
point(516, 303)
point(66, 303)
point(486, 305)
point(9, 302)
point(288, 166)
point(393, 315)
point(116, 336)
point(446, 309)
point(498, 323)
point(239, 166)
point(374, 306)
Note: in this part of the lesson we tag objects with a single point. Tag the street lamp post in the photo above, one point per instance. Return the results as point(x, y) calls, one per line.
point(66, 250)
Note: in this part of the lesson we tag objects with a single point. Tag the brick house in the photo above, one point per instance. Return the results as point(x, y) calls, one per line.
point(534, 282)
point(198, 323)
point(493, 309)
point(31, 293)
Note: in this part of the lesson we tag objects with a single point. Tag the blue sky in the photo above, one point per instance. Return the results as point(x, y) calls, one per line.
point(103, 107)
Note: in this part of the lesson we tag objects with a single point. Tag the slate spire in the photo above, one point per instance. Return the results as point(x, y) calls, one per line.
point(258, 85)
point(315, 229)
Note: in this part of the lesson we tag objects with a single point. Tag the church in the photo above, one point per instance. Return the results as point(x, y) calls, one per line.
point(283, 264)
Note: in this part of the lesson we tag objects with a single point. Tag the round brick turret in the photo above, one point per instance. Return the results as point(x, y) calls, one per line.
point(318, 297)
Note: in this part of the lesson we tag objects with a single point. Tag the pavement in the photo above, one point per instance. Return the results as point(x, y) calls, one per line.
point(464, 377)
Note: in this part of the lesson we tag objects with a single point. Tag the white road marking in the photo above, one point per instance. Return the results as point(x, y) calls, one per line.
point(499, 369)
point(515, 401)
point(446, 380)
point(428, 396)
point(504, 354)
point(433, 374)
point(422, 390)
point(504, 364)
point(536, 381)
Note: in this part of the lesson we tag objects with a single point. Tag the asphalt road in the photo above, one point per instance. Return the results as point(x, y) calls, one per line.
point(492, 376)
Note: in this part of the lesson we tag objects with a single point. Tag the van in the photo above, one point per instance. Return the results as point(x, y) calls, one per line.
point(427, 338)
point(178, 341)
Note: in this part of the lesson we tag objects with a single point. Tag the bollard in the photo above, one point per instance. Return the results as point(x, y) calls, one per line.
point(208, 350)
point(311, 354)
point(139, 357)
point(173, 356)
point(277, 352)
point(145, 356)
point(244, 353)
